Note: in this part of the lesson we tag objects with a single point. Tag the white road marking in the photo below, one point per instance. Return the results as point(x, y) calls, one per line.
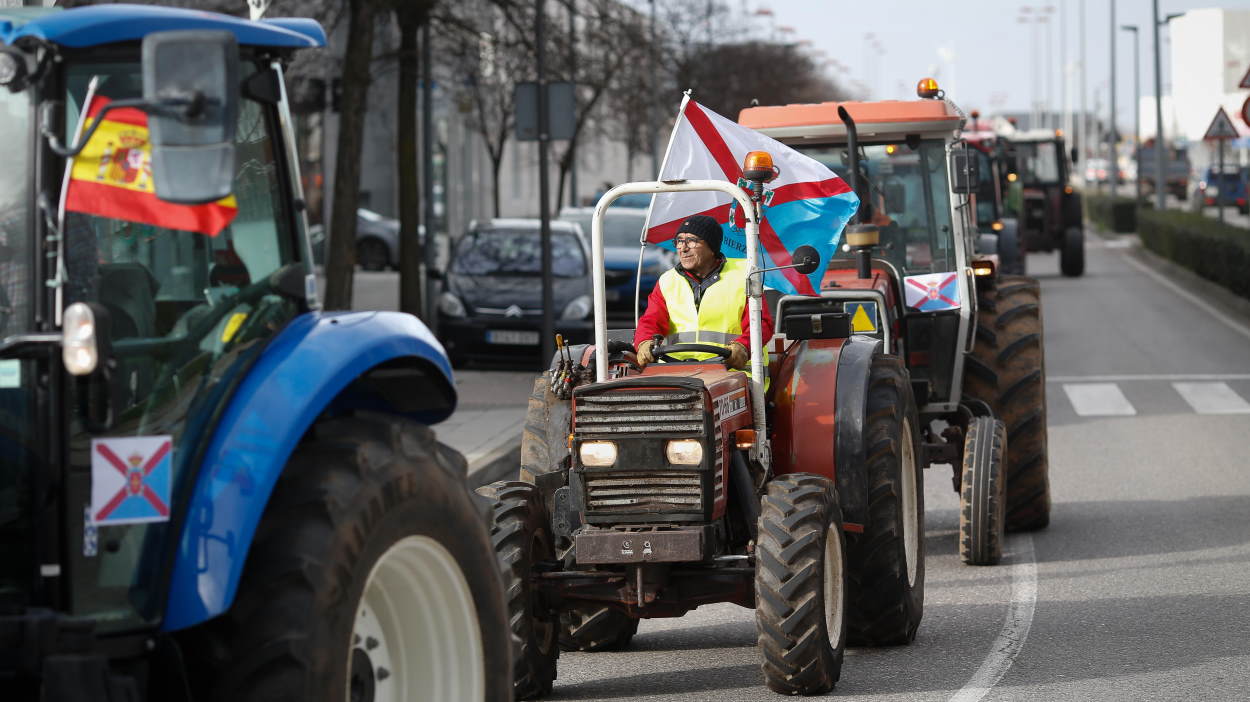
point(1211, 310)
point(1098, 400)
point(1016, 626)
point(1129, 378)
point(1212, 398)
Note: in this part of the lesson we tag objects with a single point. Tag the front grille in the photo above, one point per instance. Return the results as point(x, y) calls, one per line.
point(649, 411)
point(631, 492)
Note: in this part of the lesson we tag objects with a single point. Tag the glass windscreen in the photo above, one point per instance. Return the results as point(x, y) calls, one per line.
point(517, 252)
point(910, 198)
point(17, 377)
point(1038, 162)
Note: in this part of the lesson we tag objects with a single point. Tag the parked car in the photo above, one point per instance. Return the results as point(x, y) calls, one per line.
point(622, 230)
point(377, 241)
point(1226, 188)
point(492, 303)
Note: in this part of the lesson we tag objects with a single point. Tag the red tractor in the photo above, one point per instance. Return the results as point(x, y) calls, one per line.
point(999, 230)
point(1050, 209)
point(648, 494)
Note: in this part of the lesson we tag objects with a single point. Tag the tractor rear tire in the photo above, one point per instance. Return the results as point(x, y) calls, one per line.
point(1072, 254)
point(800, 585)
point(522, 539)
point(887, 560)
point(368, 530)
point(1007, 370)
point(982, 497)
point(547, 423)
point(593, 628)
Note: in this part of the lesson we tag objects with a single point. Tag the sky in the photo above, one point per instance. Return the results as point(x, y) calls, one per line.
point(978, 49)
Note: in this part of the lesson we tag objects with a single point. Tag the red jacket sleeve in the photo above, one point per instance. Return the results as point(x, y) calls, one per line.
point(766, 325)
point(655, 320)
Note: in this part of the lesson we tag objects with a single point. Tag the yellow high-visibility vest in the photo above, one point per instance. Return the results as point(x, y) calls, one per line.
point(717, 319)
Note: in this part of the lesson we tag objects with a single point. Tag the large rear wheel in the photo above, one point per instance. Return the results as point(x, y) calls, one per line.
point(371, 576)
point(800, 585)
point(887, 560)
point(593, 628)
point(523, 540)
point(1006, 369)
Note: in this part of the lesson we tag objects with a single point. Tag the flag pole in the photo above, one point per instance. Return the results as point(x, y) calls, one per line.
point(646, 223)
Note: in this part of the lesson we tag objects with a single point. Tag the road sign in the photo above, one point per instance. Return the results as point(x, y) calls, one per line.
point(560, 111)
point(1221, 127)
point(1245, 80)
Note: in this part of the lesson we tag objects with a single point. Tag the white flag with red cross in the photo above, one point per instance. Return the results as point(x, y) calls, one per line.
point(130, 479)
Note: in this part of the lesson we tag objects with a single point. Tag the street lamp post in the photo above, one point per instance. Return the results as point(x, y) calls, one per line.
point(1136, 113)
point(1113, 167)
point(1159, 193)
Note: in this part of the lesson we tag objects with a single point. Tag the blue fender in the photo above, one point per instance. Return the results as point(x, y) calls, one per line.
point(305, 369)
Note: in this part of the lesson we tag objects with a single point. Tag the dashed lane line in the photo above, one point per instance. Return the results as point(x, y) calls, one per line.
point(1098, 400)
point(1212, 398)
point(1015, 629)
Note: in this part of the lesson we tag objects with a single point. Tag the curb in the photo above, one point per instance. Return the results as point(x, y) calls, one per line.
point(497, 465)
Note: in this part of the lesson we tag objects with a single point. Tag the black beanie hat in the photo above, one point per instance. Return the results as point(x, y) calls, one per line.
point(704, 227)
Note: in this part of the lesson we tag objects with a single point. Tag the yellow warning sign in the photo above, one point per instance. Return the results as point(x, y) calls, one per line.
point(863, 317)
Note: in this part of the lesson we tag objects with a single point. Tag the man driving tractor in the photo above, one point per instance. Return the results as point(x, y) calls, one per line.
point(701, 300)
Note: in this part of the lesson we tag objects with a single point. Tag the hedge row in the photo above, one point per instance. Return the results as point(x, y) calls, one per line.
point(1217, 252)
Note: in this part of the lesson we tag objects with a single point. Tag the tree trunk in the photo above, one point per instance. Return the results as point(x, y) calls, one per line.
point(341, 260)
point(496, 163)
point(409, 16)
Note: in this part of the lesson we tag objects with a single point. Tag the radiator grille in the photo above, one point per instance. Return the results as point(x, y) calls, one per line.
point(631, 492)
point(636, 412)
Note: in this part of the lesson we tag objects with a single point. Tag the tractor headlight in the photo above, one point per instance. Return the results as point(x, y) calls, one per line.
point(579, 308)
point(450, 305)
point(78, 340)
point(598, 453)
point(684, 452)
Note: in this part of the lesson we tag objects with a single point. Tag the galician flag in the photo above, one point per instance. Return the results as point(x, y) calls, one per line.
point(808, 203)
point(112, 177)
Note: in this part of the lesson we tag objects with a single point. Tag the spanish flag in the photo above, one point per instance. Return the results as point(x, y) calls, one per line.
point(112, 177)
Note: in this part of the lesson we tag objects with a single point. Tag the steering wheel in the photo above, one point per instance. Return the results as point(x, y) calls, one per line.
point(662, 352)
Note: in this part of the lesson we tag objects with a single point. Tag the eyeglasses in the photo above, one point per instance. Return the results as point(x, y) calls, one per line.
point(686, 241)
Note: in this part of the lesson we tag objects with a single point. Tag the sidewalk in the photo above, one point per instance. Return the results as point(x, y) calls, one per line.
point(486, 426)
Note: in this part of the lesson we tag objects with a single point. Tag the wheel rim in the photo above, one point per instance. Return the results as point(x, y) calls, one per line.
point(416, 633)
point(832, 585)
point(911, 539)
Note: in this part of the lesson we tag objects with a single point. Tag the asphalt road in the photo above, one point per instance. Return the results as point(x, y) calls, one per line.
point(1137, 591)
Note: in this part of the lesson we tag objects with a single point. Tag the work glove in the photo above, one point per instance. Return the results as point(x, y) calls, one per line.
point(738, 356)
point(644, 353)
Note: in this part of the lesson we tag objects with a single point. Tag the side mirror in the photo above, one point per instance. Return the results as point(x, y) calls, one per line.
point(805, 259)
point(895, 195)
point(190, 83)
point(963, 172)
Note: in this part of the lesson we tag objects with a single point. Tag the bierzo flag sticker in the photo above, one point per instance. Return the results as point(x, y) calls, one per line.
point(130, 479)
point(932, 291)
point(112, 177)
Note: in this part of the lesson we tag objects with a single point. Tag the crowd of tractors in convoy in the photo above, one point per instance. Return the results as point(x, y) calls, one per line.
point(294, 520)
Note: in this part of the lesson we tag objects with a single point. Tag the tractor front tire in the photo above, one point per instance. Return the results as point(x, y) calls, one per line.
point(1007, 370)
point(593, 628)
point(547, 423)
point(522, 539)
point(368, 531)
point(1072, 254)
point(982, 497)
point(800, 585)
point(887, 560)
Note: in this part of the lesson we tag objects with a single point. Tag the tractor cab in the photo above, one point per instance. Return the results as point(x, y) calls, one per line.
point(916, 293)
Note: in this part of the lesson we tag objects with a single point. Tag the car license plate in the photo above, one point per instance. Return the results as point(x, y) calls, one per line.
point(517, 338)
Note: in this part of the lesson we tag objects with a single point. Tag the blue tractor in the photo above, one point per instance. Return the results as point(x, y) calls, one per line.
point(210, 488)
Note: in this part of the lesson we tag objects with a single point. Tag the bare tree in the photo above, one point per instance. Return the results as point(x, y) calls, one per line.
point(341, 257)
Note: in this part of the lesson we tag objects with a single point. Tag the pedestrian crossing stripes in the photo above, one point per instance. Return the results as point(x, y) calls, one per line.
point(1108, 399)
